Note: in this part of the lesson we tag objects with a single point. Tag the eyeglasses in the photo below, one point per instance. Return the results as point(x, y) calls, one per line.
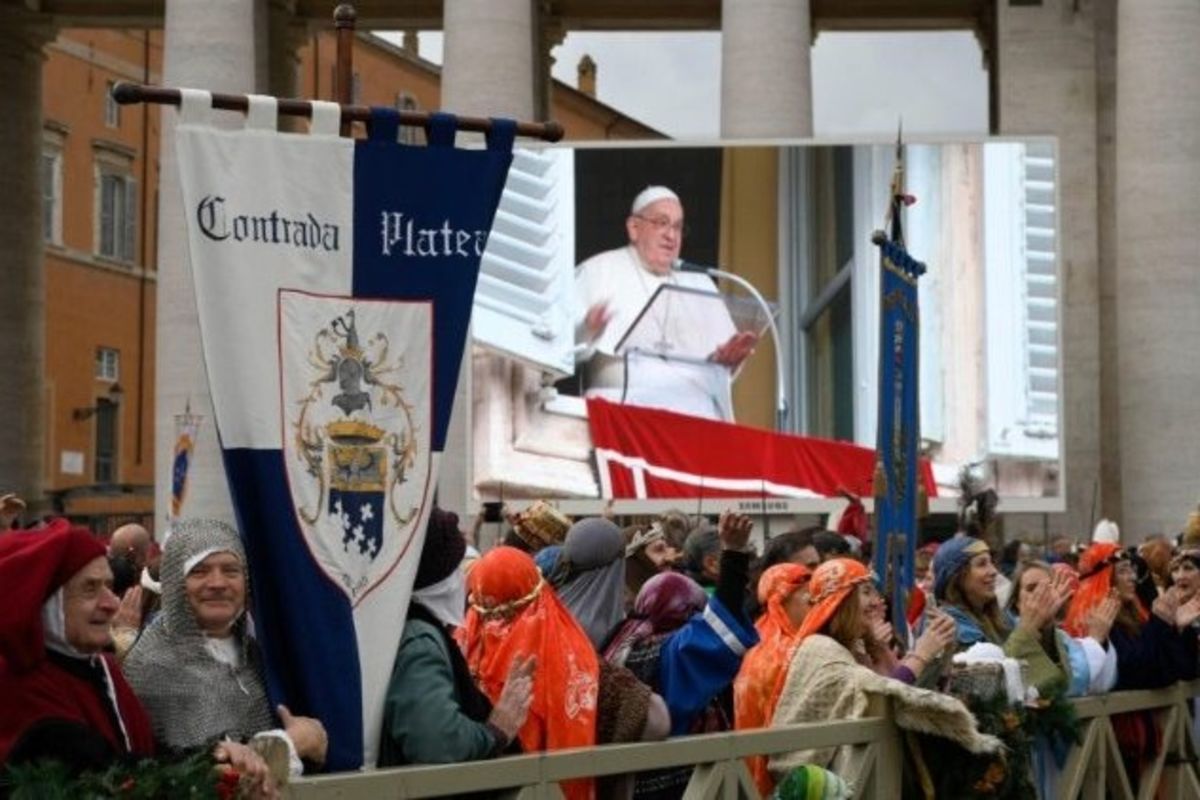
point(660, 223)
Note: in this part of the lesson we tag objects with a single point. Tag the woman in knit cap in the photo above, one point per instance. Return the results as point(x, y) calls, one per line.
point(589, 576)
point(434, 713)
point(783, 593)
point(577, 701)
point(830, 678)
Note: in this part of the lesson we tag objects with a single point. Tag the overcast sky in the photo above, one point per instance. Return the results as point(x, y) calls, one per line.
point(862, 82)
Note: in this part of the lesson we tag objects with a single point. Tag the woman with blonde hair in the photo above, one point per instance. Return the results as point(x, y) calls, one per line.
point(829, 678)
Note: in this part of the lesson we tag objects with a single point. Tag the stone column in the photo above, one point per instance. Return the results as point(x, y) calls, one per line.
point(1158, 267)
point(23, 296)
point(488, 57)
point(766, 68)
point(285, 36)
point(210, 46)
point(488, 69)
point(1047, 63)
point(1106, 241)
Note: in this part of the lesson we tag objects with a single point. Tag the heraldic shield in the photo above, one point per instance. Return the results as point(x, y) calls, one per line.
point(356, 383)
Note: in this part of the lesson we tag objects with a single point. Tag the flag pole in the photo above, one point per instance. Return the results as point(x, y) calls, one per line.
point(897, 480)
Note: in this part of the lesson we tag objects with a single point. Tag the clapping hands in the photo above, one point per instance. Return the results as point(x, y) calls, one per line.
point(1039, 608)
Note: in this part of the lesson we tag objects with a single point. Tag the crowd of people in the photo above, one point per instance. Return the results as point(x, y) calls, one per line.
point(580, 633)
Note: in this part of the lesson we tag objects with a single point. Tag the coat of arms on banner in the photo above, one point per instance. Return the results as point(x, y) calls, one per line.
point(356, 383)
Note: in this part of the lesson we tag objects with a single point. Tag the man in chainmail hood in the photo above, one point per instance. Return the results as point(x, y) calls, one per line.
point(196, 669)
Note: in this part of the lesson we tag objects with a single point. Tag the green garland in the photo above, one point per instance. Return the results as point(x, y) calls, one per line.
point(1004, 776)
point(194, 778)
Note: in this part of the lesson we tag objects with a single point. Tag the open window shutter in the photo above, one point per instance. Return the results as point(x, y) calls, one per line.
point(129, 228)
point(1021, 283)
point(1041, 292)
point(48, 187)
point(524, 303)
point(107, 210)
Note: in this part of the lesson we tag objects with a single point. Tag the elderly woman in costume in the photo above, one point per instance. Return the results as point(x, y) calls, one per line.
point(577, 701)
point(196, 669)
point(64, 696)
point(434, 713)
point(783, 593)
point(589, 576)
point(829, 677)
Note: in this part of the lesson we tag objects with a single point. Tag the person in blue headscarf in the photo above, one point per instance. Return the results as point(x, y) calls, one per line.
point(964, 584)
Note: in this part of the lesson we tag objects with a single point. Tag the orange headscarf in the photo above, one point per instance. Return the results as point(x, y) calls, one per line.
point(760, 680)
point(831, 584)
point(1097, 566)
point(514, 612)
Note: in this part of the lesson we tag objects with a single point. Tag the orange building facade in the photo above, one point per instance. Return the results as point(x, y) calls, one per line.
point(100, 166)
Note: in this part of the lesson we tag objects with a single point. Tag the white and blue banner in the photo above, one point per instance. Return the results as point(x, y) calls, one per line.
point(334, 280)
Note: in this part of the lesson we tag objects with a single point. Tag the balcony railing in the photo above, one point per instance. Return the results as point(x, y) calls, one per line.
point(872, 763)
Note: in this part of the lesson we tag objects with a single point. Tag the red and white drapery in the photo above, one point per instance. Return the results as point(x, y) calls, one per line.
point(648, 453)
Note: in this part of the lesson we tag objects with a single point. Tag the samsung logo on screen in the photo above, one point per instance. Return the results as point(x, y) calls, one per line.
point(405, 236)
point(300, 231)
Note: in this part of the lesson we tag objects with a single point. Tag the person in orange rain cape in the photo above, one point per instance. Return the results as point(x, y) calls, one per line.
point(514, 615)
point(783, 592)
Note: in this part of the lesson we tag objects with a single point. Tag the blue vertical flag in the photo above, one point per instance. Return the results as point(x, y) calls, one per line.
point(897, 482)
point(334, 281)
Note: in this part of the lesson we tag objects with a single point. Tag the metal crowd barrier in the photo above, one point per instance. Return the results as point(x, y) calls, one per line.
point(872, 765)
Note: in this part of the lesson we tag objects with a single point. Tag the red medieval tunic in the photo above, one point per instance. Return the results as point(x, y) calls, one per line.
point(38, 685)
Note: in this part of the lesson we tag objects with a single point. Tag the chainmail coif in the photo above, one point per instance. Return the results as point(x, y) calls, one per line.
point(190, 696)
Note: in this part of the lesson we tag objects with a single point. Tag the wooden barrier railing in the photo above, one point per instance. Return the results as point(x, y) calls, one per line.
point(872, 764)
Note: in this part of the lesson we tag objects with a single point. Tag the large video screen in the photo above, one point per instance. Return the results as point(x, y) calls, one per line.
point(609, 363)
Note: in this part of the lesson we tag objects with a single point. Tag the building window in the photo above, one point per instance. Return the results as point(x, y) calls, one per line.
point(826, 319)
point(108, 364)
point(52, 196)
point(409, 134)
point(106, 440)
point(116, 212)
point(112, 110)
